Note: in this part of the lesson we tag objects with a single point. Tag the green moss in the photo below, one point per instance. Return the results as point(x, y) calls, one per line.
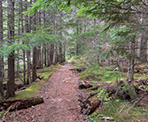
point(29, 92)
point(45, 70)
point(113, 110)
point(46, 73)
point(40, 99)
point(85, 76)
point(32, 90)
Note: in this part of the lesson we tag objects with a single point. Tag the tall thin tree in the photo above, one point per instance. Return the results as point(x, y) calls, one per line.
point(34, 74)
point(1, 58)
point(28, 29)
point(11, 57)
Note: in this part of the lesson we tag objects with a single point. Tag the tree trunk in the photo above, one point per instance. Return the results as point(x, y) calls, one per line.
point(132, 66)
point(63, 56)
point(11, 58)
point(51, 53)
point(143, 48)
point(39, 58)
point(60, 49)
point(24, 66)
point(19, 31)
point(45, 55)
point(34, 73)
point(132, 60)
point(10, 82)
point(27, 30)
point(1, 77)
point(42, 62)
point(28, 66)
point(1, 58)
point(77, 46)
point(48, 55)
point(45, 45)
point(60, 53)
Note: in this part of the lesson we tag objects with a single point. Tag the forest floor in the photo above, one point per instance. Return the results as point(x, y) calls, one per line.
point(60, 96)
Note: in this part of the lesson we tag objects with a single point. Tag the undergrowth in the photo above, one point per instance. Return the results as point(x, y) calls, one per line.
point(93, 72)
point(115, 108)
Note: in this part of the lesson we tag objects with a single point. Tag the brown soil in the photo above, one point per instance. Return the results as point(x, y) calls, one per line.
point(60, 96)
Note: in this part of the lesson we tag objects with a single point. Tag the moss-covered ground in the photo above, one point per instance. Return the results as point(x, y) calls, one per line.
point(32, 90)
point(117, 110)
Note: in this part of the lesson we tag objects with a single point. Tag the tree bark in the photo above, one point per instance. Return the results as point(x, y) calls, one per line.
point(56, 54)
point(28, 66)
point(45, 45)
point(143, 48)
point(63, 56)
point(60, 49)
point(34, 73)
point(45, 55)
point(51, 53)
point(19, 31)
point(132, 60)
point(11, 57)
point(1, 58)
point(24, 53)
point(77, 45)
point(28, 29)
point(48, 54)
point(132, 66)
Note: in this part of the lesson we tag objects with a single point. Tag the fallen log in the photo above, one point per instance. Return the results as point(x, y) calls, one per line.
point(78, 69)
point(21, 103)
point(93, 101)
point(84, 85)
point(81, 69)
point(89, 105)
point(94, 104)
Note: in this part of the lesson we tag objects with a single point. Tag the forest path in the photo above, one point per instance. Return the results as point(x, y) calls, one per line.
point(60, 96)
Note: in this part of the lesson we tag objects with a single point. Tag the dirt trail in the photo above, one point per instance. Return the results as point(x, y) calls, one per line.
point(60, 95)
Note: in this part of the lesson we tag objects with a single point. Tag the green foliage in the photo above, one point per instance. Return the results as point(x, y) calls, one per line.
point(93, 71)
point(47, 5)
point(102, 95)
point(110, 74)
point(39, 37)
point(79, 62)
point(6, 50)
point(36, 38)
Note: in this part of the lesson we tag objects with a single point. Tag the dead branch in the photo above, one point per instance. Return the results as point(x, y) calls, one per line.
point(3, 118)
point(135, 103)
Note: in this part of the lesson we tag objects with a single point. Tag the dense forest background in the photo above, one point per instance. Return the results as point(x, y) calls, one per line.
point(106, 41)
point(35, 34)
